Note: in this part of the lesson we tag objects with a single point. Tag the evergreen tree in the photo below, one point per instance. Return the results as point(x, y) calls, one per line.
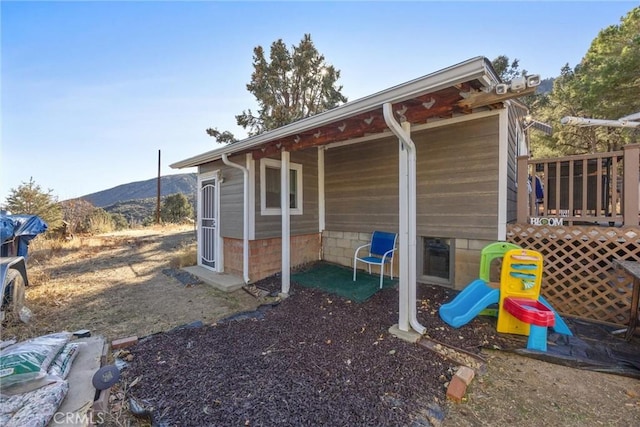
point(30, 199)
point(508, 70)
point(605, 85)
point(176, 208)
point(290, 86)
point(119, 221)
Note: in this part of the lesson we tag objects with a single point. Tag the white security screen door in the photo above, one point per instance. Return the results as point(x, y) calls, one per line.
point(208, 221)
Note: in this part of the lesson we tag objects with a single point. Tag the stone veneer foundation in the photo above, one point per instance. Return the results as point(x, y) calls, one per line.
point(265, 254)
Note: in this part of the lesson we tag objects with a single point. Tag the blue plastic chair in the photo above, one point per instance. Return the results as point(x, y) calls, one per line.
point(381, 252)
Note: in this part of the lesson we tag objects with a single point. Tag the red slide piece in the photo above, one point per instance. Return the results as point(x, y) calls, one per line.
point(529, 311)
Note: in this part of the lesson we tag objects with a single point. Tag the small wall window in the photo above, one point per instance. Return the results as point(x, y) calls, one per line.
point(436, 256)
point(270, 187)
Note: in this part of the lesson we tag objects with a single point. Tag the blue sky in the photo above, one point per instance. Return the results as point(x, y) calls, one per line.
point(92, 90)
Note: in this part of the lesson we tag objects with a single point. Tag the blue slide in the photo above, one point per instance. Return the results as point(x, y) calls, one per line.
point(560, 327)
point(469, 303)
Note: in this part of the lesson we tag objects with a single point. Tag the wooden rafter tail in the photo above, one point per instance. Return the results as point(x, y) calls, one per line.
point(483, 99)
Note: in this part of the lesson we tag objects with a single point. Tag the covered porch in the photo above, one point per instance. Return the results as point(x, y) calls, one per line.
point(467, 92)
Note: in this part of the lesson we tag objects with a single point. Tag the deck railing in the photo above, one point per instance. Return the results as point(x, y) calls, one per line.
point(600, 188)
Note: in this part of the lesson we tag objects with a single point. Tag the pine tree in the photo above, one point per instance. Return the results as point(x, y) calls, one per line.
point(176, 208)
point(605, 85)
point(30, 199)
point(290, 86)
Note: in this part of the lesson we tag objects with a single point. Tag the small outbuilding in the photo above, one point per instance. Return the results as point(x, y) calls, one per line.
point(433, 159)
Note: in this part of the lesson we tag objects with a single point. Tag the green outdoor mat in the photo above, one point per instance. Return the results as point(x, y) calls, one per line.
point(338, 280)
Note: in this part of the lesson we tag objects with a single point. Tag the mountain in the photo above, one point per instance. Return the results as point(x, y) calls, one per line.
point(185, 183)
point(137, 201)
point(546, 86)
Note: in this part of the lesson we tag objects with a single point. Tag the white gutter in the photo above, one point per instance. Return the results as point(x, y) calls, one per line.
point(407, 213)
point(475, 68)
point(245, 226)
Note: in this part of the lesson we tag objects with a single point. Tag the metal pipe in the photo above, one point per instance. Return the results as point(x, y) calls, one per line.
point(409, 214)
point(245, 226)
point(581, 121)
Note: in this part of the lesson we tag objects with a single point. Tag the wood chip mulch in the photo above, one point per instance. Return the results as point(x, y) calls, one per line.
point(313, 359)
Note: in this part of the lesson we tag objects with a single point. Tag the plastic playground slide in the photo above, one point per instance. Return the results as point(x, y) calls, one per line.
point(560, 326)
point(476, 297)
point(469, 303)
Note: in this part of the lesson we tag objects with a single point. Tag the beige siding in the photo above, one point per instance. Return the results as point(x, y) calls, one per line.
point(458, 180)
point(457, 188)
point(361, 187)
point(269, 226)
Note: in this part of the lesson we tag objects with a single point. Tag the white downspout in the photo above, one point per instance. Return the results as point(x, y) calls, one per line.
point(321, 205)
point(286, 221)
point(245, 226)
point(503, 151)
point(408, 215)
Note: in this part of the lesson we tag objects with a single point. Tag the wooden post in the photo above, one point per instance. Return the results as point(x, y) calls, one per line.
point(631, 186)
point(158, 195)
point(522, 199)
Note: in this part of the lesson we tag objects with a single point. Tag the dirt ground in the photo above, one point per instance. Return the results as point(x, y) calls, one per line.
point(521, 391)
point(114, 285)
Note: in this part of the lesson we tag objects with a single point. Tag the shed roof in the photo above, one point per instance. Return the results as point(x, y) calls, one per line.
point(458, 89)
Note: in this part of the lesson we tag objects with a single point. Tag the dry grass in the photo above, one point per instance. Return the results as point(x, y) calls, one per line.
point(113, 285)
point(185, 256)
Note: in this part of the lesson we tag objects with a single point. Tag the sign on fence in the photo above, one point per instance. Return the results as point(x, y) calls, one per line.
point(551, 221)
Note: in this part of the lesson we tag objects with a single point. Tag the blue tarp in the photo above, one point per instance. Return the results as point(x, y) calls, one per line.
point(6, 228)
point(16, 231)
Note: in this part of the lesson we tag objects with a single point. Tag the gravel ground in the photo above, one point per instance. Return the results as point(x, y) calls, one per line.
point(313, 359)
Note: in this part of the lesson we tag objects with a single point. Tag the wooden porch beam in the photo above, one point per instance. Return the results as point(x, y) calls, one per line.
point(483, 99)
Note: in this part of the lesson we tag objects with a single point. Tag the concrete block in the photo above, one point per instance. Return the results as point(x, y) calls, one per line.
point(466, 374)
point(344, 243)
point(124, 342)
point(330, 242)
point(365, 237)
point(409, 336)
point(105, 354)
point(462, 244)
point(350, 235)
point(457, 389)
point(101, 404)
point(478, 245)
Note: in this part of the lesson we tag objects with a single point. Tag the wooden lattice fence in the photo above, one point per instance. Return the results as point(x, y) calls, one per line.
point(580, 279)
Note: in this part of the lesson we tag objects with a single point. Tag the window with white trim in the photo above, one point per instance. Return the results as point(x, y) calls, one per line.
point(270, 187)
